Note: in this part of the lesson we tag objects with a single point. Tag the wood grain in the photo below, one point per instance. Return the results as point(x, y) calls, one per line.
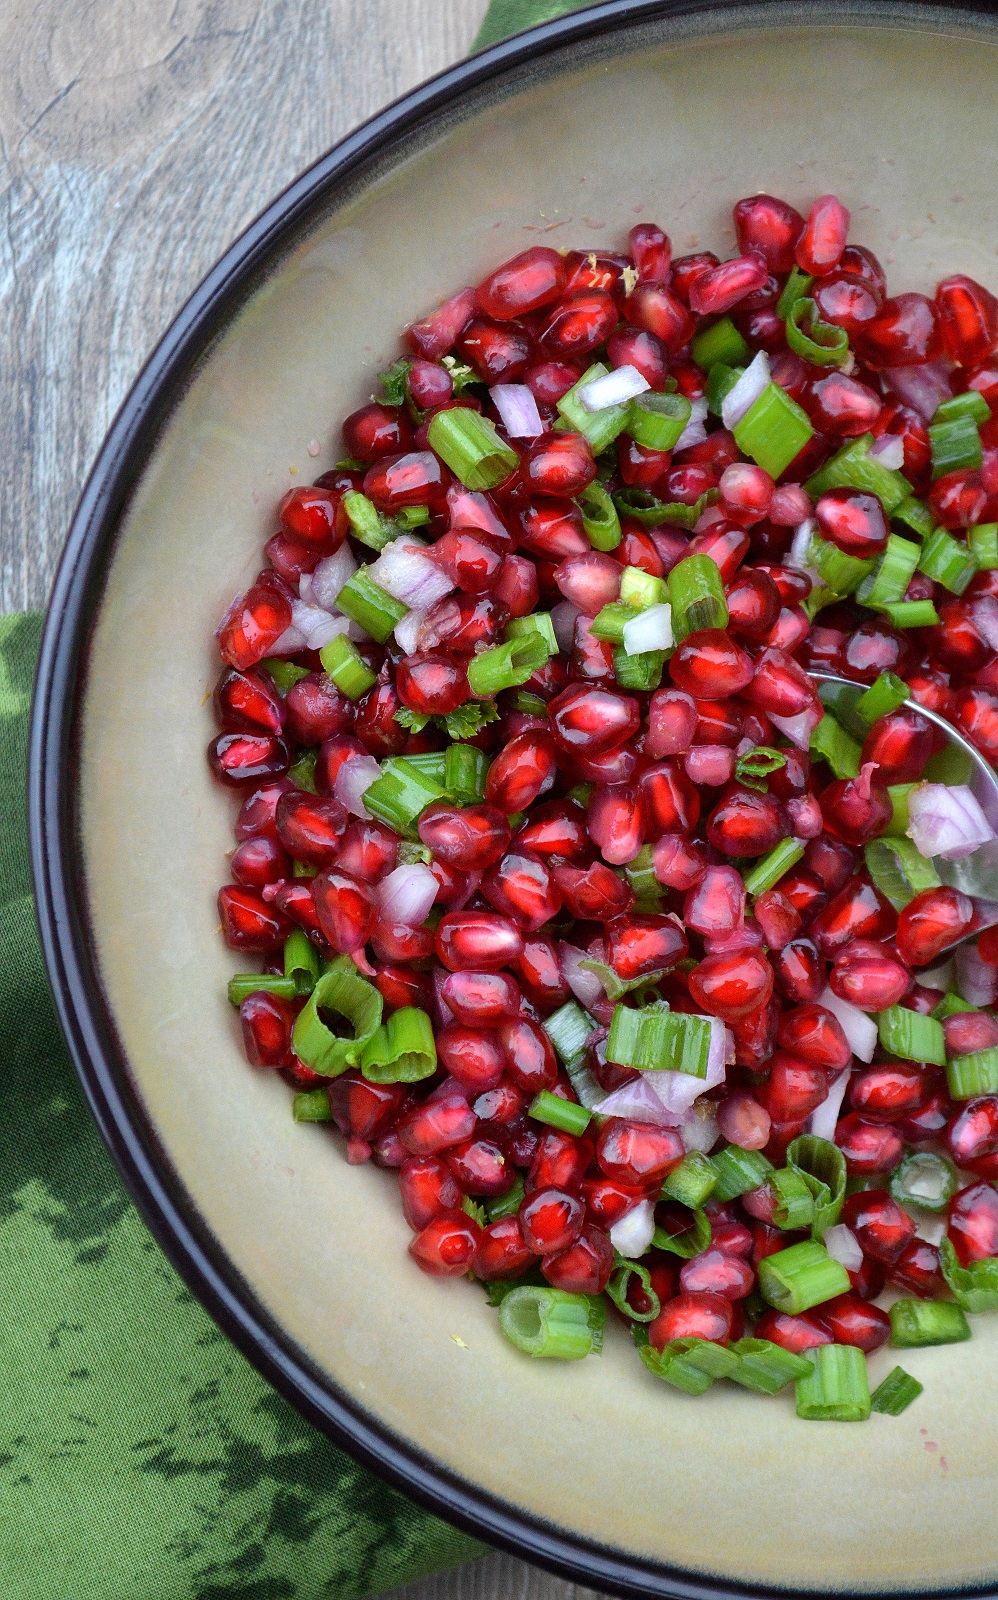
point(136, 141)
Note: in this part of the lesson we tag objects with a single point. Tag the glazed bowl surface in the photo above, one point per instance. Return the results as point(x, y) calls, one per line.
point(568, 136)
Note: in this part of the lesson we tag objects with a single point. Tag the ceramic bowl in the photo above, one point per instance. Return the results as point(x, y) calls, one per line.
point(567, 135)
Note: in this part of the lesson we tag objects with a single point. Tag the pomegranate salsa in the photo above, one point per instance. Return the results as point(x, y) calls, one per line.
point(583, 901)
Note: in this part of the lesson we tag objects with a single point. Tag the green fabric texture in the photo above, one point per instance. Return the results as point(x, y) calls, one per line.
point(140, 1454)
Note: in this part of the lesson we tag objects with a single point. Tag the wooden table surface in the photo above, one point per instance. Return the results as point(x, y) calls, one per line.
point(136, 141)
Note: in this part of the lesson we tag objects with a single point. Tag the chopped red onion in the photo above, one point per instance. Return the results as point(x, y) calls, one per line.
point(585, 985)
point(353, 781)
point(403, 571)
point(563, 617)
point(800, 727)
point(698, 1126)
point(824, 1119)
point(888, 451)
point(407, 631)
point(443, 1016)
point(976, 980)
point(746, 391)
point(469, 509)
point(694, 431)
point(407, 894)
point(797, 554)
point(328, 578)
point(518, 409)
point(843, 1246)
point(805, 816)
point(923, 388)
point(651, 629)
point(946, 822)
point(637, 1102)
point(613, 389)
point(984, 615)
point(632, 1235)
point(859, 1029)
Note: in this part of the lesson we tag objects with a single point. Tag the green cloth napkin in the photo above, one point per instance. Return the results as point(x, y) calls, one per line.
point(140, 1454)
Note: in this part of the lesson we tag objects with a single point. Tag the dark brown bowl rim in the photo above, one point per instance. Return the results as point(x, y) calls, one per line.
point(53, 823)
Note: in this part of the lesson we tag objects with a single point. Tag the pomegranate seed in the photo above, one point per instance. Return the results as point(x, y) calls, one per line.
point(521, 772)
point(446, 1247)
point(533, 278)
point(502, 1251)
point(812, 1032)
point(851, 1320)
point(795, 1334)
point(249, 924)
point(905, 333)
point(730, 986)
point(578, 323)
point(551, 1220)
point(470, 838)
point(311, 827)
point(469, 941)
point(856, 809)
point(746, 823)
point(853, 521)
point(867, 976)
point(899, 745)
point(918, 1271)
point(692, 1316)
point(584, 1267)
point(716, 290)
point(869, 1148)
point(642, 944)
point(968, 319)
point(743, 1121)
point(247, 757)
point(716, 1272)
point(616, 822)
point(655, 309)
point(636, 347)
point(769, 228)
point(253, 624)
point(795, 1087)
point(427, 1188)
point(594, 893)
point(480, 1167)
point(888, 1093)
point(972, 1223)
point(522, 888)
point(709, 665)
point(931, 922)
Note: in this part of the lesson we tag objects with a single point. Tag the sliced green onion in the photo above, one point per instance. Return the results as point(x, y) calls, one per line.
point(366, 522)
point(465, 770)
point(559, 1113)
point(690, 1364)
point(685, 1242)
point(918, 1322)
point(302, 869)
point(914, 1037)
point(471, 447)
point(800, 1277)
point(914, 514)
point(771, 868)
point(508, 1204)
point(853, 468)
point(925, 1180)
point(246, 983)
point(413, 516)
point(899, 870)
point(896, 1393)
point(600, 428)
point(830, 741)
point(342, 662)
point(302, 772)
point(508, 665)
point(640, 589)
point(720, 381)
point(898, 794)
point(982, 542)
point(881, 698)
point(301, 961)
point(609, 622)
point(341, 989)
point(402, 1050)
point(402, 793)
point(753, 768)
point(657, 421)
point(569, 1028)
point(655, 1038)
point(640, 874)
point(840, 572)
point(773, 430)
point(969, 1076)
point(766, 1367)
point(720, 342)
point(739, 1171)
point(431, 763)
point(837, 1388)
point(312, 1105)
point(951, 766)
point(697, 596)
point(822, 1166)
point(840, 700)
point(367, 603)
point(619, 1284)
point(950, 1006)
point(886, 585)
point(955, 446)
point(642, 672)
point(970, 404)
point(793, 1202)
point(947, 561)
point(912, 614)
point(553, 1324)
point(974, 1287)
point(795, 288)
point(821, 343)
point(538, 622)
point(284, 673)
point(600, 521)
point(651, 513)
point(692, 1181)
point(616, 986)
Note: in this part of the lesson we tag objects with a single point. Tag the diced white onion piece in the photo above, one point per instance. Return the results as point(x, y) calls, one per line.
point(353, 781)
point(946, 822)
point(976, 980)
point(678, 1090)
point(291, 642)
point(518, 409)
point(404, 571)
point(632, 1235)
point(943, 977)
point(930, 1228)
point(859, 1029)
point(328, 578)
point(698, 1126)
point(613, 389)
point(316, 624)
point(563, 617)
point(797, 554)
point(824, 1118)
point(584, 984)
point(407, 631)
point(694, 431)
point(637, 1102)
point(744, 394)
point(799, 727)
point(651, 629)
point(888, 451)
point(407, 894)
point(843, 1246)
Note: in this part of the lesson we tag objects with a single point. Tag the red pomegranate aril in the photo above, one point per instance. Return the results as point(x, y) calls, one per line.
point(795, 1334)
point(368, 850)
point(823, 240)
point(249, 924)
point(716, 1272)
point(480, 1167)
point(972, 1135)
point(847, 300)
point(253, 624)
point(779, 920)
point(917, 1270)
point(584, 1267)
point(606, 1200)
point(578, 323)
point(531, 279)
point(521, 772)
point(469, 941)
point(502, 1252)
point(588, 720)
point(248, 701)
point(446, 1247)
point(559, 464)
point(432, 682)
point(856, 809)
point(345, 908)
point(975, 713)
point(311, 826)
point(719, 722)
point(853, 521)
point(805, 892)
point(416, 478)
point(557, 828)
point(551, 1220)
point(888, 1093)
point(869, 1148)
point(856, 912)
point(730, 986)
point(635, 1153)
point(259, 861)
point(266, 1023)
point(590, 582)
point(470, 837)
point(237, 758)
point(716, 290)
point(746, 823)
point(316, 710)
point(481, 999)
point(656, 309)
point(540, 975)
point(851, 1320)
point(522, 888)
point(636, 347)
point(709, 665)
point(868, 976)
point(560, 1162)
point(296, 902)
point(427, 1187)
point(930, 923)
point(639, 944)
point(968, 319)
point(497, 352)
point(677, 862)
point(594, 893)
point(881, 1227)
point(743, 1121)
point(650, 251)
point(289, 559)
point(471, 1055)
point(969, 1031)
point(900, 745)
point(717, 903)
point(369, 434)
point(725, 542)
point(841, 407)
point(972, 1223)
point(528, 1055)
point(400, 986)
point(692, 1316)
point(437, 1124)
point(672, 804)
point(753, 604)
point(616, 821)
point(769, 228)
point(814, 1034)
point(906, 332)
point(795, 1088)
point(258, 813)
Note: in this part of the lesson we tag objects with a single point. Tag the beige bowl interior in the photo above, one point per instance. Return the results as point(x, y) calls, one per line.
point(898, 121)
